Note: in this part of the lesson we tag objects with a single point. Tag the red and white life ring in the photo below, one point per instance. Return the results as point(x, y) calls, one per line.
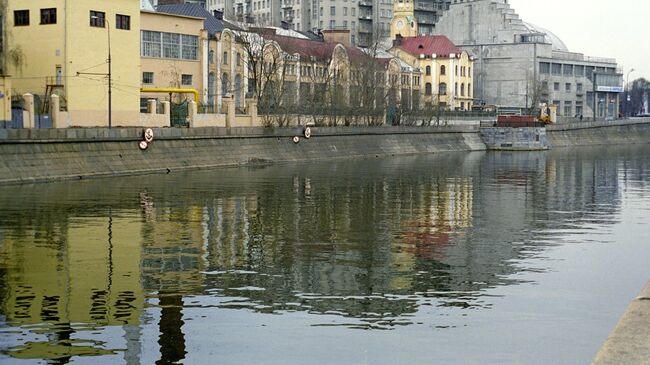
point(148, 135)
point(143, 145)
point(295, 139)
point(307, 132)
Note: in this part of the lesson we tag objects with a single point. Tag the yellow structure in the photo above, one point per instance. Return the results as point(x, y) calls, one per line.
point(403, 23)
point(86, 275)
point(5, 99)
point(173, 54)
point(447, 70)
point(62, 47)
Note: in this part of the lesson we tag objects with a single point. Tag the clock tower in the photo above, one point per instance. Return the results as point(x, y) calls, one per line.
point(404, 22)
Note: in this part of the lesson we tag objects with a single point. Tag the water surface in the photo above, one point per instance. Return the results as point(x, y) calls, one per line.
point(465, 258)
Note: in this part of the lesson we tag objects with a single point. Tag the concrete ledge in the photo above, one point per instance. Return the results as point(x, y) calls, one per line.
point(630, 342)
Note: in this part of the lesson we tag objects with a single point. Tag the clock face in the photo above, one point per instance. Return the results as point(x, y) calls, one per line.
point(400, 24)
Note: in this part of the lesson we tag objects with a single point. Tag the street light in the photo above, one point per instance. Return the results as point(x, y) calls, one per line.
point(627, 92)
point(108, 29)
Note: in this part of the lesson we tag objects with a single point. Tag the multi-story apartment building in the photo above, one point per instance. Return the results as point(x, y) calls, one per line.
point(428, 12)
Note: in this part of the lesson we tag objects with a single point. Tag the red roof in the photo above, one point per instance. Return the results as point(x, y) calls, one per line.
point(428, 45)
point(309, 48)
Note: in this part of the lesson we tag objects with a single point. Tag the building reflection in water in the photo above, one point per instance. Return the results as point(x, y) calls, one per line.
point(368, 240)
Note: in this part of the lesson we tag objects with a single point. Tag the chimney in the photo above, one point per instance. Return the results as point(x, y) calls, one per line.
point(285, 25)
point(218, 14)
point(397, 41)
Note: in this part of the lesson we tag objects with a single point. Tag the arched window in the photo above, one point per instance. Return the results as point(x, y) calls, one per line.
point(427, 88)
point(225, 84)
point(443, 70)
point(237, 91)
point(225, 58)
point(442, 89)
point(428, 70)
point(462, 89)
point(212, 88)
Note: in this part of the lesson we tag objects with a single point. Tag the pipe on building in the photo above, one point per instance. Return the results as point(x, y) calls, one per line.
point(171, 90)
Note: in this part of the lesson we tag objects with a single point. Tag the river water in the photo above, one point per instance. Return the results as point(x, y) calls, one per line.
point(464, 258)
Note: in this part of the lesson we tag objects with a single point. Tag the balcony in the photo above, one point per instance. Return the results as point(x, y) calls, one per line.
point(367, 16)
point(365, 3)
point(425, 6)
point(365, 29)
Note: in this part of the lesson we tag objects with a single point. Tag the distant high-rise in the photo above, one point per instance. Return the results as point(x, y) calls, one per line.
point(367, 20)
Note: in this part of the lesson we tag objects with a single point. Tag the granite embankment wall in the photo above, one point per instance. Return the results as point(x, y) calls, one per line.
point(35, 155)
point(630, 131)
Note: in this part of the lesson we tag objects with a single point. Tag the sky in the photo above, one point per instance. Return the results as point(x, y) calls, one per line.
point(599, 28)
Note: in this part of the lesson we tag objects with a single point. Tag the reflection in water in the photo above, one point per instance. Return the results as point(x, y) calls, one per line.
point(372, 242)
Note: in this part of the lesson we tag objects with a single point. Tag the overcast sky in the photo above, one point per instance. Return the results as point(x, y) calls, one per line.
point(600, 28)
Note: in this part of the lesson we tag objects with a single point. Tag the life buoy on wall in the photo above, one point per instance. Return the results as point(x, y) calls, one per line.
point(143, 145)
point(307, 132)
point(148, 135)
point(295, 139)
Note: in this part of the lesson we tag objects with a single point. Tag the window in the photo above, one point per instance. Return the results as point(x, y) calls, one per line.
point(345, 24)
point(544, 86)
point(578, 108)
point(544, 68)
point(21, 17)
point(354, 11)
point(568, 70)
point(238, 58)
point(456, 71)
point(48, 16)
point(147, 77)
point(568, 107)
point(211, 56)
point(443, 70)
point(427, 88)
point(345, 11)
point(456, 89)
point(151, 46)
point(462, 89)
point(579, 87)
point(442, 89)
point(224, 60)
point(332, 24)
point(170, 45)
point(556, 69)
point(567, 87)
point(186, 79)
point(428, 71)
point(332, 10)
point(122, 22)
point(97, 19)
point(556, 86)
point(469, 71)
point(190, 47)
point(469, 90)
point(579, 71)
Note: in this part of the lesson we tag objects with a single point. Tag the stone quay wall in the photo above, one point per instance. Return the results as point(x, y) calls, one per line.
point(625, 131)
point(38, 155)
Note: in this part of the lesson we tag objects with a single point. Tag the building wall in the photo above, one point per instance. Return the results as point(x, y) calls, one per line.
point(508, 57)
point(167, 73)
point(72, 46)
point(458, 70)
point(5, 99)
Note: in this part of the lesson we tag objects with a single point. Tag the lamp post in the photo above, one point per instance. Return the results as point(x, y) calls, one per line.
point(110, 104)
point(627, 92)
